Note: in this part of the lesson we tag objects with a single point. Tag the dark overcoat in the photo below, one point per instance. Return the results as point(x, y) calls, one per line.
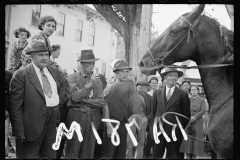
point(27, 106)
point(179, 103)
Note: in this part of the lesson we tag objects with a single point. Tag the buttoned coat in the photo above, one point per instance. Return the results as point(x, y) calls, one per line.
point(27, 106)
point(149, 116)
point(179, 103)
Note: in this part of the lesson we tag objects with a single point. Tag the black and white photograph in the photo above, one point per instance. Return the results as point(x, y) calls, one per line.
point(119, 81)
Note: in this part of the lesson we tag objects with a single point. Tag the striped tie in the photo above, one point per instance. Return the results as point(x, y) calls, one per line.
point(46, 85)
point(169, 94)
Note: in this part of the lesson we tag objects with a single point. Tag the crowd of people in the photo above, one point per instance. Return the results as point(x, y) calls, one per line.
point(40, 95)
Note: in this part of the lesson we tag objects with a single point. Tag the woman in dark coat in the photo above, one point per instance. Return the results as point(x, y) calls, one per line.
point(194, 147)
point(15, 58)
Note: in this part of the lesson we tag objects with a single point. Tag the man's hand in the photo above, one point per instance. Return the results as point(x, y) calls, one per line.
point(21, 137)
point(192, 119)
point(109, 130)
point(130, 119)
point(89, 84)
point(157, 119)
point(6, 147)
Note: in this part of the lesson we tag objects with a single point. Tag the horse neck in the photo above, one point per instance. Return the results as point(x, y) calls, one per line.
point(218, 86)
point(217, 82)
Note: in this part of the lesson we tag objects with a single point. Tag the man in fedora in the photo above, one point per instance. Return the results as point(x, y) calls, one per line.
point(35, 93)
point(117, 99)
point(170, 99)
point(85, 101)
point(140, 103)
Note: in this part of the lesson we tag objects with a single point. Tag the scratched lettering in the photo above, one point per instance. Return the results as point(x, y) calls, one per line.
point(69, 133)
point(133, 122)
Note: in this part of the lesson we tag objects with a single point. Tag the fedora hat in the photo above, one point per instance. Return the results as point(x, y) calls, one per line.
point(121, 64)
point(87, 56)
point(168, 70)
point(142, 83)
point(35, 45)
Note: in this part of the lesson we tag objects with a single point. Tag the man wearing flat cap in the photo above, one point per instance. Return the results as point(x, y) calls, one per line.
point(118, 103)
point(141, 106)
point(85, 101)
point(35, 93)
point(170, 99)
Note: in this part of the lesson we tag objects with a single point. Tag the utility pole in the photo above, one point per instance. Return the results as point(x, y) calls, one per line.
point(144, 37)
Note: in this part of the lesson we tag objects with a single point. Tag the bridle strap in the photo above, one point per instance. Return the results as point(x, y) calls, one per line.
point(151, 54)
point(199, 66)
point(191, 28)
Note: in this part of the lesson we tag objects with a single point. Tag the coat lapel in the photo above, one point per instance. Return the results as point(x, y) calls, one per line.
point(32, 75)
point(174, 97)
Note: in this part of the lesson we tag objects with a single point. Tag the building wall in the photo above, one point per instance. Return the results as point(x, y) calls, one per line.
point(70, 48)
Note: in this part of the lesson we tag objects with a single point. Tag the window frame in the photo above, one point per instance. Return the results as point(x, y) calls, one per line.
point(92, 36)
point(60, 23)
point(31, 17)
point(80, 29)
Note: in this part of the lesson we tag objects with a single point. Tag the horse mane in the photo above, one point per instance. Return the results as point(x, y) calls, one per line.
point(227, 52)
point(227, 39)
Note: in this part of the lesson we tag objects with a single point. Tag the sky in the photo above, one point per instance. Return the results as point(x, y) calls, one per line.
point(164, 14)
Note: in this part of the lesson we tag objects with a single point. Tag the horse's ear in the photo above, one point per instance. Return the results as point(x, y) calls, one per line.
point(196, 12)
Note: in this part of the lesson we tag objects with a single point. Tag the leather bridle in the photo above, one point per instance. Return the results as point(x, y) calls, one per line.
point(190, 28)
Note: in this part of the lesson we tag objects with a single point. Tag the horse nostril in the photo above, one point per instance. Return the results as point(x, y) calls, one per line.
point(141, 64)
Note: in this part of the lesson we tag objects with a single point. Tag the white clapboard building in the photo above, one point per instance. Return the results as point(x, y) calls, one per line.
point(78, 28)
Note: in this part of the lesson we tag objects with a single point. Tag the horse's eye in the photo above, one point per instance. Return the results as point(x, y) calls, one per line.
point(173, 32)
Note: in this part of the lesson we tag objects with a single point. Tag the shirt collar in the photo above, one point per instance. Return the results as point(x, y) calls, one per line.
point(172, 89)
point(38, 69)
point(195, 99)
point(52, 58)
point(44, 34)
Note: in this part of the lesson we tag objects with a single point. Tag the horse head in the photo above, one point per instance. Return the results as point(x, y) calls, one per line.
point(173, 45)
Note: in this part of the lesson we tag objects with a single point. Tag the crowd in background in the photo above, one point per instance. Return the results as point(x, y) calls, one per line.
point(40, 95)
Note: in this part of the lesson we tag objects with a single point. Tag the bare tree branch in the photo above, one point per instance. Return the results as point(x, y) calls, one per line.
point(121, 8)
point(107, 12)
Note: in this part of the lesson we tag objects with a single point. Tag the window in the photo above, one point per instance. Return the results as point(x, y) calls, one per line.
point(36, 10)
point(61, 24)
point(79, 30)
point(104, 68)
point(92, 35)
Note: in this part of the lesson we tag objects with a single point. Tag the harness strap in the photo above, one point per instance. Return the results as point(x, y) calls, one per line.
point(199, 66)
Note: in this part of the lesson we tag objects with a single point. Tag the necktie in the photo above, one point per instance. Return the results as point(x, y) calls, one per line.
point(169, 94)
point(46, 85)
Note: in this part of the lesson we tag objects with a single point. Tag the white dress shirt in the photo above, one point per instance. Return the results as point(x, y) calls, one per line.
point(150, 92)
point(167, 89)
point(54, 100)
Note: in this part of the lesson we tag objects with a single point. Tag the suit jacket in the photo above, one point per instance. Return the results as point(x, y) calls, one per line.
point(27, 106)
point(8, 77)
point(148, 102)
point(179, 103)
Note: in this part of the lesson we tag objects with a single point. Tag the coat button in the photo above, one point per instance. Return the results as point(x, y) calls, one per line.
point(43, 115)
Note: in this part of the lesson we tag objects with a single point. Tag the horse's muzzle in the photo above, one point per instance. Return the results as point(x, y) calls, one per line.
point(146, 70)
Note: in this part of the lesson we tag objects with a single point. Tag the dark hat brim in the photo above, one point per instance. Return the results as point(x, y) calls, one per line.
point(89, 60)
point(142, 84)
point(122, 68)
point(178, 72)
point(28, 53)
